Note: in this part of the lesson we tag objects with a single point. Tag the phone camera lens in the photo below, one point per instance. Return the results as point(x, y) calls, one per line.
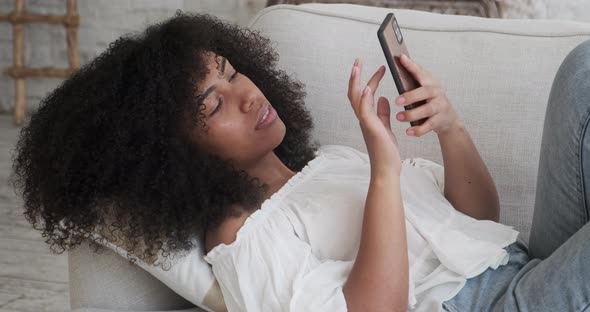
point(397, 31)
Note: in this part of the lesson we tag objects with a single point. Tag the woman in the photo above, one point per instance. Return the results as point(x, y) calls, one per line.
point(190, 130)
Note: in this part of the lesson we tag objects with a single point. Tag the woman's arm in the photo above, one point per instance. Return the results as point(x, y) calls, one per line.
point(379, 278)
point(468, 184)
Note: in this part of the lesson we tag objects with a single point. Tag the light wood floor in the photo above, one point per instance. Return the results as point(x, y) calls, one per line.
point(31, 277)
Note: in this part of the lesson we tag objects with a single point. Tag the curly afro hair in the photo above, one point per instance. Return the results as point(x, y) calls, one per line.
point(109, 152)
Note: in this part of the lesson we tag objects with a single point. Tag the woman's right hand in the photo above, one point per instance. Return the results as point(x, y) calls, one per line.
point(381, 143)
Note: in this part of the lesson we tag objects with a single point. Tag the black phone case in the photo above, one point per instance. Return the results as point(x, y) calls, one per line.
point(392, 48)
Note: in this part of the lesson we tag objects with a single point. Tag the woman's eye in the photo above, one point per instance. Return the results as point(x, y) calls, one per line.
point(233, 76)
point(219, 103)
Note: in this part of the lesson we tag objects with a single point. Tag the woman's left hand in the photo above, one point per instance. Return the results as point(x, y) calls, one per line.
point(441, 115)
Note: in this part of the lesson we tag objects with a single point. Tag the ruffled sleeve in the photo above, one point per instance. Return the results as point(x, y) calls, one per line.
point(268, 268)
point(461, 243)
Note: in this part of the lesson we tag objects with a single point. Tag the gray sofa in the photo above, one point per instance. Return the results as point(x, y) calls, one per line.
point(498, 74)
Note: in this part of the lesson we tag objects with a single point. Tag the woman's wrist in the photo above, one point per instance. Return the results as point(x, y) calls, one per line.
point(456, 127)
point(385, 175)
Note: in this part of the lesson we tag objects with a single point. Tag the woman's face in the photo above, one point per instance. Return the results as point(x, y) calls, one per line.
point(241, 124)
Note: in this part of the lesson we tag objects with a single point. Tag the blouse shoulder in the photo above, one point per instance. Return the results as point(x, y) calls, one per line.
point(226, 232)
point(342, 152)
point(268, 268)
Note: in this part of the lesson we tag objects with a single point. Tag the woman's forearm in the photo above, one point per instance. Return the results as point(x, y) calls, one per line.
point(468, 183)
point(379, 278)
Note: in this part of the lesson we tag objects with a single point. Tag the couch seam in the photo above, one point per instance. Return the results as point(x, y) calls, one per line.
point(305, 10)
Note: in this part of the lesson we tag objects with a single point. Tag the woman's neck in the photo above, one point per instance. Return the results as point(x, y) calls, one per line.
point(271, 171)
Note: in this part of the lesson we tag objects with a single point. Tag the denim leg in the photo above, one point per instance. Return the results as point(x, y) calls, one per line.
point(563, 183)
point(558, 283)
point(489, 291)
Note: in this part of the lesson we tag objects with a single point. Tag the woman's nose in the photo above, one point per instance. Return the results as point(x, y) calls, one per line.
point(249, 100)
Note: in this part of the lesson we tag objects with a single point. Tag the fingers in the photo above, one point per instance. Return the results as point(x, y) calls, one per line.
point(384, 112)
point(420, 112)
point(422, 129)
point(421, 75)
point(418, 94)
point(376, 78)
point(353, 83)
point(354, 93)
point(366, 103)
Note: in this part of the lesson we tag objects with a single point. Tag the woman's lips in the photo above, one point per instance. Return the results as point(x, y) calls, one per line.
point(269, 119)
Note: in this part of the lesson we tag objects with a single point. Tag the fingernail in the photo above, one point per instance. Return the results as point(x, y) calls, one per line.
point(401, 100)
point(400, 117)
point(354, 70)
point(410, 132)
point(356, 62)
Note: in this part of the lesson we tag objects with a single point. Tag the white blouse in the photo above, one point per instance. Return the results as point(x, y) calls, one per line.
point(296, 252)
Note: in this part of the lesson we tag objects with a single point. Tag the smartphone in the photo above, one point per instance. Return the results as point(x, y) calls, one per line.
point(392, 43)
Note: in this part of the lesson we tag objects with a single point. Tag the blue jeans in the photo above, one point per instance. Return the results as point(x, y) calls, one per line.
point(553, 273)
